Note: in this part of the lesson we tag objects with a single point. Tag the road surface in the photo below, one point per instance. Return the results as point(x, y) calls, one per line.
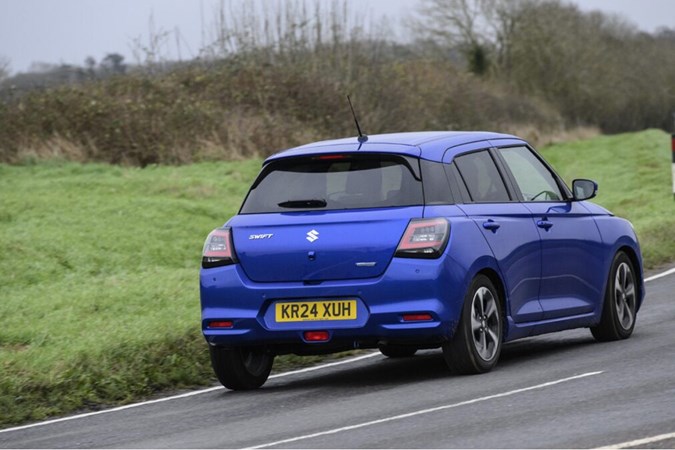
point(561, 390)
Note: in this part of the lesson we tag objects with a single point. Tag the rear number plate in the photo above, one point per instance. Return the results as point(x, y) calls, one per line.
point(322, 310)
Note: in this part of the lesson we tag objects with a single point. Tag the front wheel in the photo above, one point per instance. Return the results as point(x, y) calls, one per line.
point(241, 368)
point(620, 303)
point(477, 342)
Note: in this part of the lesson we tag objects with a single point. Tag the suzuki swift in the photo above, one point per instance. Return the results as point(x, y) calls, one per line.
point(407, 241)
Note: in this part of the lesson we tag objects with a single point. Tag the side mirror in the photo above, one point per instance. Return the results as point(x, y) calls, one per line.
point(584, 189)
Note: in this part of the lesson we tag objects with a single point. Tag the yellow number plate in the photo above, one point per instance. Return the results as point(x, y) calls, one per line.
point(323, 310)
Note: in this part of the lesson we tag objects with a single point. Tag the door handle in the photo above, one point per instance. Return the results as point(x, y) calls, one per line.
point(491, 225)
point(545, 224)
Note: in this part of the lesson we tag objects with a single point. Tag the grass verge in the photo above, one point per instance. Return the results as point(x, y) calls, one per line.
point(99, 266)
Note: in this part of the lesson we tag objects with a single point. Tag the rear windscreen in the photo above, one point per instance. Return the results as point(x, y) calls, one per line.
point(335, 182)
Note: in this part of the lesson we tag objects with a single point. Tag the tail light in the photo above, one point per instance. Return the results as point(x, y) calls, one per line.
point(218, 249)
point(424, 238)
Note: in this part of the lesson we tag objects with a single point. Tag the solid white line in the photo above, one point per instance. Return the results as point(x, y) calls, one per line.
point(106, 411)
point(637, 442)
point(215, 388)
point(324, 366)
point(425, 411)
point(660, 275)
point(187, 394)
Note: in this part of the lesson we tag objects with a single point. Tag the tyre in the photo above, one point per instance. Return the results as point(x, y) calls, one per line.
point(397, 351)
point(241, 368)
point(620, 304)
point(477, 342)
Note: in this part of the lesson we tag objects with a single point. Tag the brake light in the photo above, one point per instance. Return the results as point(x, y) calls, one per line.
point(330, 157)
point(218, 249)
point(424, 238)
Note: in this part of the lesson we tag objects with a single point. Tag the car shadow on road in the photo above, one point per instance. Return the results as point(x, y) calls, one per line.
point(521, 351)
point(383, 373)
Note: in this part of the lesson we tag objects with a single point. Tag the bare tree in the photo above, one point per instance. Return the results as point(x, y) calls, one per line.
point(481, 29)
point(4, 68)
point(90, 66)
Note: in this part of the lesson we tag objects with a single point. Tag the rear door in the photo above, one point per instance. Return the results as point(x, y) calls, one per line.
point(507, 227)
point(572, 277)
point(327, 217)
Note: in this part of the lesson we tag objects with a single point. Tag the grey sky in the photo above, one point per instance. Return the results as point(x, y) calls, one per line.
point(67, 31)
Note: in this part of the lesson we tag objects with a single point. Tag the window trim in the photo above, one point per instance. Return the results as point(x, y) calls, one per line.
point(513, 198)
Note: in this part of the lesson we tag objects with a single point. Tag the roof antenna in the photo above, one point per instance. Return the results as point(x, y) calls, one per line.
point(362, 137)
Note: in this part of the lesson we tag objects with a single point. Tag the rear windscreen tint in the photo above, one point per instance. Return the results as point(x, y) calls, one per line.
point(346, 183)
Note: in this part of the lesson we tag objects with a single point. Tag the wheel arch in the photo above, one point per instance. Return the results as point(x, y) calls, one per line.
point(637, 266)
point(496, 280)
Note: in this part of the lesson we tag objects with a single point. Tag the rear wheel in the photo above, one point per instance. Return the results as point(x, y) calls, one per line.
point(620, 303)
point(241, 368)
point(477, 342)
point(397, 351)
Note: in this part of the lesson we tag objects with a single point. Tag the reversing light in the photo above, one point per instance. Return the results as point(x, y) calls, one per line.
point(424, 238)
point(221, 324)
point(316, 336)
point(417, 317)
point(218, 250)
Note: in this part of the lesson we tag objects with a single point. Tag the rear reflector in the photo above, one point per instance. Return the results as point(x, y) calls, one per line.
point(221, 324)
point(316, 336)
point(424, 238)
point(417, 317)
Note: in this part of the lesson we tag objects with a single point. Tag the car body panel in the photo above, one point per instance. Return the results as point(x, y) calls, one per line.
point(310, 245)
point(552, 280)
point(570, 248)
point(517, 250)
point(618, 234)
point(429, 145)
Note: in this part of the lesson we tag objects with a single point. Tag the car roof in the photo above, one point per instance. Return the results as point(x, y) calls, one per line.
point(430, 145)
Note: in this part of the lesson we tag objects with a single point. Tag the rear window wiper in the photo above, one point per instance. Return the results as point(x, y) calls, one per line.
point(309, 203)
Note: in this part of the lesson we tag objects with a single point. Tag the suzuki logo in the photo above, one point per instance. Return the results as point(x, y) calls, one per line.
point(312, 235)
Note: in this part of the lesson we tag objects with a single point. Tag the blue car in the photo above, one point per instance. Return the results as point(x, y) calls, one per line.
point(407, 241)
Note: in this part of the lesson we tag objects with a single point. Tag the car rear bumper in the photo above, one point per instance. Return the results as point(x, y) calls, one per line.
point(408, 286)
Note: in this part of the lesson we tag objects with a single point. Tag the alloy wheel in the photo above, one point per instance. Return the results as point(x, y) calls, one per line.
point(624, 295)
point(485, 323)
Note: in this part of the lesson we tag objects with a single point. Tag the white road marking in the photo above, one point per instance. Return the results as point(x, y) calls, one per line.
point(645, 441)
point(425, 411)
point(660, 275)
point(324, 366)
point(187, 394)
point(216, 388)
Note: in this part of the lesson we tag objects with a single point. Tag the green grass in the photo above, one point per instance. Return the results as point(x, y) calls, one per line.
point(99, 281)
point(99, 299)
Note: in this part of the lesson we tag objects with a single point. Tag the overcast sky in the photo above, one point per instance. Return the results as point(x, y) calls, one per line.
point(67, 31)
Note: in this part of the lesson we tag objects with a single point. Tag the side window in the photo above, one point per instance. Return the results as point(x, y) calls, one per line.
point(459, 191)
point(482, 178)
point(533, 178)
point(436, 188)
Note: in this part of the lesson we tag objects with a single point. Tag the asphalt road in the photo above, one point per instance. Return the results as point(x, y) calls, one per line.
point(562, 390)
